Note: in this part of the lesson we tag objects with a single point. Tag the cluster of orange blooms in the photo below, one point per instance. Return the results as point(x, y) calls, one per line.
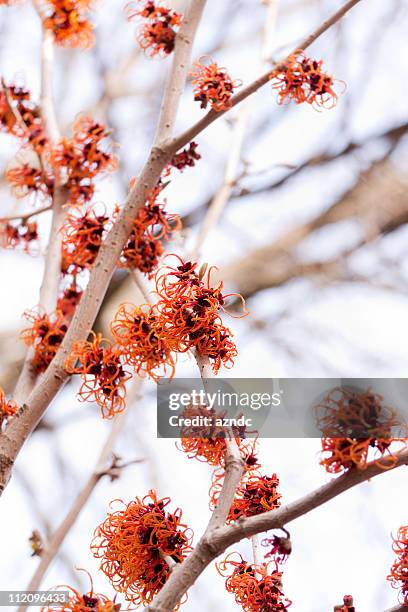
point(157, 35)
point(83, 236)
point(399, 571)
point(79, 160)
point(26, 180)
point(83, 603)
point(44, 336)
point(189, 308)
point(151, 226)
point(301, 79)
point(12, 235)
point(67, 20)
point(359, 427)
point(69, 300)
point(213, 86)
point(99, 364)
point(140, 335)
point(209, 444)
point(21, 117)
point(8, 408)
point(137, 546)
point(254, 495)
point(256, 588)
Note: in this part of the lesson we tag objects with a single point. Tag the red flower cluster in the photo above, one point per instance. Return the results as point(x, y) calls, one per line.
point(359, 428)
point(157, 35)
point(68, 22)
point(81, 159)
point(136, 545)
point(20, 116)
point(254, 495)
point(281, 547)
point(69, 300)
point(83, 603)
point(399, 571)
point(26, 180)
point(45, 336)
point(301, 79)
point(140, 335)
point(99, 363)
point(189, 309)
point(256, 588)
point(213, 85)
point(342, 454)
point(8, 408)
point(83, 236)
point(152, 225)
point(12, 236)
point(186, 158)
point(209, 444)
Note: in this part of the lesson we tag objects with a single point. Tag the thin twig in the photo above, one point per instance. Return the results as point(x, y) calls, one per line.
point(18, 430)
point(223, 195)
point(52, 265)
point(212, 545)
point(183, 139)
point(27, 215)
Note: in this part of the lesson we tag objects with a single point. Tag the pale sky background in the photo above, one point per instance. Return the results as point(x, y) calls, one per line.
point(337, 330)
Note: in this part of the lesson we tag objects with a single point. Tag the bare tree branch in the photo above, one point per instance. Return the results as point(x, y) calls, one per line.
point(177, 77)
point(211, 116)
point(12, 440)
point(208, 548)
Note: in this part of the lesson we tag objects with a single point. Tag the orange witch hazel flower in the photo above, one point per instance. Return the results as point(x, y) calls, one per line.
point(151, 226)
point(69, 300)
point(157, 35)
point(99, 363)
point(190, 310)
point(82, 158)
point(45, 336)
point(8, 408)
point(139, 332)
point(213, 86)
point(209, 444)
point(359, 427)
point(78, 602)
point(137, 545)
point(399, 571)
point(257, 588)
point(301, 79)
point(12, 235)
point(26, 180)
point(69, 25)
point(254, 495)
point(20, 116)
point(83, 236)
